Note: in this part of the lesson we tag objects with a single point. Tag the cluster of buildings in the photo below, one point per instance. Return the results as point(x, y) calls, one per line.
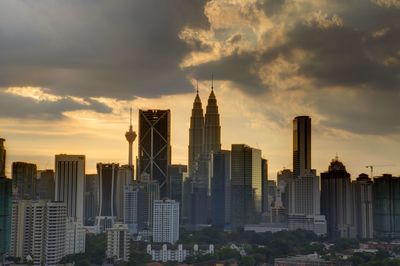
point(45, 214)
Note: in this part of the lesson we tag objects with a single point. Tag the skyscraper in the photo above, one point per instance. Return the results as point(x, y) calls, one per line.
point(5, 214)
point(246, 184)
point(91, 198)
point(54, 232)
point(386, 202)
point(166, 221)
point(125, 177)
point(2, 158)
point(177, 173)
point(301, 145)
point(337, 201)
point(196, 134)
point(24, 180)
point(70, 183)
point(154, 146)
point(130, 137)
point(107, 179)
point(264, 180)
point(45, 185)
point(363, 206)
point(212, 128)
point(304, 204)
point(221, 188)
point(134, 203)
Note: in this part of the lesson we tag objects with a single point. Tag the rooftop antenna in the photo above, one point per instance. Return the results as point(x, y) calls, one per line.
point(130, 119)
point(197, 86)
point(212, 81)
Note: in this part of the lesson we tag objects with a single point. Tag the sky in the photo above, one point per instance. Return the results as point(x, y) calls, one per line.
point(70, 70)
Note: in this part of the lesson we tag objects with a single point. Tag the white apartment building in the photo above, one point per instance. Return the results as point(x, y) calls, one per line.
point(166, 221)
point(118, 242)
point(75, 237)
point(38, 231)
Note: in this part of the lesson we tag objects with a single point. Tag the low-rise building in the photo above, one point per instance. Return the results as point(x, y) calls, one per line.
point(165, 253)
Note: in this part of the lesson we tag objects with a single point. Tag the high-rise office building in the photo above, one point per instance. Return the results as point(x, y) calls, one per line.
point(166, 221)
point(363, 206)
point(118, 242)
point(337, 201)
point(386, 206)
point(125, 177)
point(107, 179)
point(304, 194)
point(212, 128)
point(177, 173)
point(134, 203)
point(264, 181)
point(45, 185)
point(38, 231)
point(91, 198)
point(24, 180)
point(221, 188)
point(5, 214)
point(301, 145)
point(304, 204)
point(151, 194)
point(70, 183)
point(2, 158)
point(196, 135)
point(154, 147)
point(246, 184)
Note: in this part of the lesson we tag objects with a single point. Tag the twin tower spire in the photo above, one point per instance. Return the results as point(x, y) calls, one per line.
point(205, 131)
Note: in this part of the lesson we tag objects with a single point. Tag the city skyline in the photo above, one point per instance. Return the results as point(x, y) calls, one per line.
point(266, 65)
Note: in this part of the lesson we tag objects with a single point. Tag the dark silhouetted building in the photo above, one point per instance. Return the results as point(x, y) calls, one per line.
point(45, 184)
point(386, 202)
point(177, 173)
point(24, 180)
point(196, 134)
point(2, 158)
point(5, 215)
point(107, 175)
point(246, 185)
point(154, 147)
point(363, 206)
point(220, 188)
point(301, 145)
point(264, 180)
point(91, 198)
point(337, 201)
point(212, 128)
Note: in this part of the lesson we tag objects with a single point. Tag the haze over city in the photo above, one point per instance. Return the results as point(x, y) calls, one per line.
point(71, 70)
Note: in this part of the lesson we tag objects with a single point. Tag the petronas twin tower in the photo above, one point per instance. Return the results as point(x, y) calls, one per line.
point(204, 132)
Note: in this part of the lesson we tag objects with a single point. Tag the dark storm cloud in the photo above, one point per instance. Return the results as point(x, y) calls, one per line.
point(235, 68)
point(359, 53)
point(117, 49)
point(15, 106)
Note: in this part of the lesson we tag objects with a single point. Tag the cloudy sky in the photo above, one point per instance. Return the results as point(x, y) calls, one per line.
point(70, 70)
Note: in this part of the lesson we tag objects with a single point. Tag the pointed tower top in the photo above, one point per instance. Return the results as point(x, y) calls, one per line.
point(212, 81)
point(197, 86)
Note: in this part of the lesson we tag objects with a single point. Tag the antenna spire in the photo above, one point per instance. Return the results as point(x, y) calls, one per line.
point(212, 81)
point(197, 86)
point(130, 116)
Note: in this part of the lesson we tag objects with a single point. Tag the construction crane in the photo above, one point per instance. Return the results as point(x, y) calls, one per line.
point(373, 166)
